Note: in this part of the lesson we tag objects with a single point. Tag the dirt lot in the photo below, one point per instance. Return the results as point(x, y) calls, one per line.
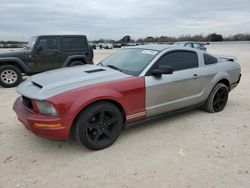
point(191, 149)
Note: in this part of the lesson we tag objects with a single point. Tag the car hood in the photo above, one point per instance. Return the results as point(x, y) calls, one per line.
point(51, 83)
point(13, 53)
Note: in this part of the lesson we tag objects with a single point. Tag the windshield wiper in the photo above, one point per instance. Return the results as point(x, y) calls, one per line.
point(114, 67)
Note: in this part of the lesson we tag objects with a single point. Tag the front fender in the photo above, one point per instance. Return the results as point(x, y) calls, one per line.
point(93, 96)
point(15, 60)
point(69, 107)
point(128, 93)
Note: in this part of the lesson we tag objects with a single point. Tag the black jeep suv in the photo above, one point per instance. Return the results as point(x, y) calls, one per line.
point(44, 53)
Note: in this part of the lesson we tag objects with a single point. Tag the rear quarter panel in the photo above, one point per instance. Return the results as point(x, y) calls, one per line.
point(214, 73)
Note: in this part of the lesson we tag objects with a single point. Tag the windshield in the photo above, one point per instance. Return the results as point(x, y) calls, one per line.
point(130, 61)
point(31, 42)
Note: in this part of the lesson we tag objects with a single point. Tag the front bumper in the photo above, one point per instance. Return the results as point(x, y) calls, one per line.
point(29, 118)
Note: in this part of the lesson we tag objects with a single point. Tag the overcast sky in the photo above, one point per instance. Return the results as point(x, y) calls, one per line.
point(20, 19)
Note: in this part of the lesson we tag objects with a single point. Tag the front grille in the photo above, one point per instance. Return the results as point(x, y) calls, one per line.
point(27, 102)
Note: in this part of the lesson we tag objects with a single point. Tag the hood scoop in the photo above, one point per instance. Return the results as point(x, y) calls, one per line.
point(95, 70)
point(37, 85)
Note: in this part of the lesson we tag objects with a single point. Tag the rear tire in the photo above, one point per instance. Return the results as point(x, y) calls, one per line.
point(76, 63)
point(99, 125)
point(217, 99)
point(10, 76)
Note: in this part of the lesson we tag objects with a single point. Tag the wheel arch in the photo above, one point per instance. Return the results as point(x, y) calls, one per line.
point(224, 81)
point(112, 101)
point(221, 77)
point(70, 59)
point(15, 62)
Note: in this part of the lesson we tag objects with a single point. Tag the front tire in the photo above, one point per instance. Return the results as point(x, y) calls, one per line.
point(217, 99)
point(10, 76)
point(99, 125)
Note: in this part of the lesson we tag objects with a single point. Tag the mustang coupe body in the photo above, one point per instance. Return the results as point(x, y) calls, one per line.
point(95, 102)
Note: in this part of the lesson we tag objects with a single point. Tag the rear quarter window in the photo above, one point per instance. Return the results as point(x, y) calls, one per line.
point(209, 60)
point(71, 43)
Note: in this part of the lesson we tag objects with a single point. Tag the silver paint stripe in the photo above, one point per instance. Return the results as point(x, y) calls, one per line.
point(132, 116)
point(57, 83)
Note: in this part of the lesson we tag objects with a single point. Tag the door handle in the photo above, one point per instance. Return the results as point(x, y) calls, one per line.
point(195, 75)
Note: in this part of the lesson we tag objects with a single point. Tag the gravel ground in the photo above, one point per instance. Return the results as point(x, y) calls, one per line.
point(191, 149)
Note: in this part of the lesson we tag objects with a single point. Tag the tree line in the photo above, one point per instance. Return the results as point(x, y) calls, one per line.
point(200, 38)
point(12, 42)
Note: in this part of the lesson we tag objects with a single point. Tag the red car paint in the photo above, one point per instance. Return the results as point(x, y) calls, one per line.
point(29, 117)
point(129, 93)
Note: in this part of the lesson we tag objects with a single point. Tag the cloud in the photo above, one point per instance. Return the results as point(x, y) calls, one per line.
point(113, 19)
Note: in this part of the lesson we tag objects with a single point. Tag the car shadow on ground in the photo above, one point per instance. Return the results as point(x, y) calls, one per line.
point(71, 145)
point(165, 120)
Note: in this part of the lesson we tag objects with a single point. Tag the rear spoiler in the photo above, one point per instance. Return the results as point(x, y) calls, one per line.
point(227, 58)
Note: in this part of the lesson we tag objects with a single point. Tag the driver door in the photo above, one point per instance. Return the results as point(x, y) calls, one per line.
point(47, 55)
point(177, 90)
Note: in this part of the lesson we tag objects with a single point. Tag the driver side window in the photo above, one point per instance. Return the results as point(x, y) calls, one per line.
point(180, 60)
point(48, 43)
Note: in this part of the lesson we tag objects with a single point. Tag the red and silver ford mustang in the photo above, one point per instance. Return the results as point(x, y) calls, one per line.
point(95, 102)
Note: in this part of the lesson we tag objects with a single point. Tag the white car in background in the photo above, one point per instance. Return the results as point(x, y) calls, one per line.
point(191, 44)
point(106, 45)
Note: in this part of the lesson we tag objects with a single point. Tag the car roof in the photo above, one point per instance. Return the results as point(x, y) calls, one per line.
point(60, 36)
point(184, 42)
point(158, 47)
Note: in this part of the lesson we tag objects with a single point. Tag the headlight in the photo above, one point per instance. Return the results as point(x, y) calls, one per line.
point(45, 107)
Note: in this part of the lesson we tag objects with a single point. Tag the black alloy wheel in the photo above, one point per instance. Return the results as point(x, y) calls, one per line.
point(102, 127)
point(217, 99)
point(220, 99)
point(99, 125)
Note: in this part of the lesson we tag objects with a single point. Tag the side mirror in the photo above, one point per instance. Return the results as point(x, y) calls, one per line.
point(162, 70)
point(39, 49)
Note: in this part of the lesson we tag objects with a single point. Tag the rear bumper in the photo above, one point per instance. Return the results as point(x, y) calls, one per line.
point(28, 118)
point(239, 79)
point(234, 85)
